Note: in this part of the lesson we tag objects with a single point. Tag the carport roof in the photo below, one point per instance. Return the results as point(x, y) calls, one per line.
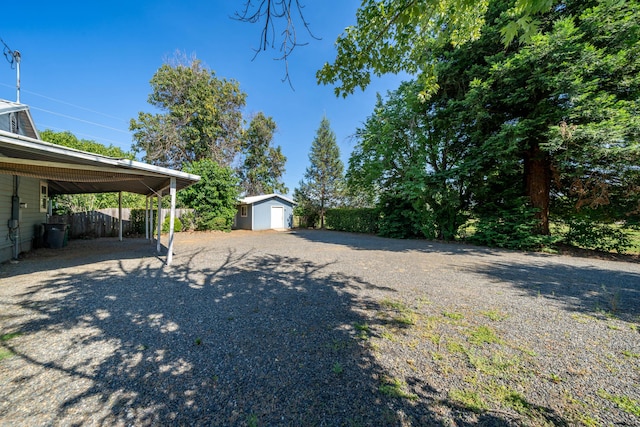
point(70, 171)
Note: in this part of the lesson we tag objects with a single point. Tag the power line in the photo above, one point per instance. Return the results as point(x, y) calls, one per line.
point(68, 103)
point(79, 120)
point(95, 138)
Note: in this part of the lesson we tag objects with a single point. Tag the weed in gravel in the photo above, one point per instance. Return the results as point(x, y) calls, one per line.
point(5, 354)
point(337, 345)
point(337, 368)
point(498, 365)
point(198, 341)
point(7, 337)
point(453, 315)
point(509, 398)
point(389, 336)
point(469, 399)
point(363, 330)
point(630, 354)
point(627, 404)
point(252, 420)
point(494, 315)
point(454, 346)
point(613, 327)
point(393, 387)
point(633, 327)
point(483, 335)
point(403, 315)
point(583, 318)
point(555, 378)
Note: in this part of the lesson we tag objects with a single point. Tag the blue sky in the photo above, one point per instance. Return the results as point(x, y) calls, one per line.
point(86, 67)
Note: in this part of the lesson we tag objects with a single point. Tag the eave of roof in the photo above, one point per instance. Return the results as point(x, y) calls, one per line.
point(73, 171)
point(255, 199)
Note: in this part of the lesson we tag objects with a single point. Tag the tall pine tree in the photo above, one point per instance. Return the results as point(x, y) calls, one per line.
point(324, 177)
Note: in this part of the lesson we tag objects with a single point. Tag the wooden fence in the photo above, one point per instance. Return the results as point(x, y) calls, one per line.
point(103, 222)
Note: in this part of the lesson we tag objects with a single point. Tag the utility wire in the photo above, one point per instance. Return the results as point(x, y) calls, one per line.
point(79, 120)
point(67, 103)
point(94, 138)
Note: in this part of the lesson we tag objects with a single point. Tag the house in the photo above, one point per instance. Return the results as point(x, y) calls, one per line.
point(31, 171)
point(270, 211)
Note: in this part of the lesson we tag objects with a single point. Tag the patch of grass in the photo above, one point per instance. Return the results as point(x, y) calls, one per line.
point(454, 346)
point(198, 341)
point(394, 305)
point(363, 330)
point(361, 327)
point(469, 399)
point(510, 398)
point(389, 336)
point(494, 315)
point(453, 315)
point(483, 335)
point(393, 387)
point(629, 354)
point(627, 404)
point(5, 354)
point(582, 318)
point(10, 336)
point(497, 365)
point(405, 316)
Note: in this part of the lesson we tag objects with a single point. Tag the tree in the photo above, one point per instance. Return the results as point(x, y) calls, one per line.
point(390, 36)
point(410, 157)
point(324, 177)
point(275, 12)
point(70, 203)
point(214, 197)
point(263, 166)
point(201, 117)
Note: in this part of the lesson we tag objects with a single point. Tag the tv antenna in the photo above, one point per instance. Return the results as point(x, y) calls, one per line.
point(13, 57)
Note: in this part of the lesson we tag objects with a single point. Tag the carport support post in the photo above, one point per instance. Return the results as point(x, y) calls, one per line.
point(120, 215)
point(146, 218)
point(172, 216)
point(159, 220)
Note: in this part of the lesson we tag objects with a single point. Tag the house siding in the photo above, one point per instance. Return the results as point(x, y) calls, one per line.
point(262, 213)
point(29, 193)
point(244, 222)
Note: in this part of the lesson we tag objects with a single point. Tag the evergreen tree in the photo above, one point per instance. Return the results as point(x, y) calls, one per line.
point(324, 177)
point(263, 166)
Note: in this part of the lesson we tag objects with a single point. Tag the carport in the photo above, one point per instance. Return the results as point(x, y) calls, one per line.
point(70, 171)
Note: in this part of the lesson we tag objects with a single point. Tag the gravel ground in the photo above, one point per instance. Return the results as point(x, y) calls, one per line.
point(316, 328)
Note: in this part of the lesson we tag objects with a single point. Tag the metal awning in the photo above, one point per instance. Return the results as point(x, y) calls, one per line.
point(70, 171)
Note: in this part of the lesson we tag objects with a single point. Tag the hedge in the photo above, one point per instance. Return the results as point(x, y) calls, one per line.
point(361, 220)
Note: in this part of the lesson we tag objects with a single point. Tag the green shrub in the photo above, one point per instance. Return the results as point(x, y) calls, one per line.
point(137, 221)
point(511, 228)
point(597, 236)
point(360, 220)
point(177, 225)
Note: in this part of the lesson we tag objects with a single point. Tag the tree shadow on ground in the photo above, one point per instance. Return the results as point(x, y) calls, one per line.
point(246, 339)
point(369, 242)
point(581, 289)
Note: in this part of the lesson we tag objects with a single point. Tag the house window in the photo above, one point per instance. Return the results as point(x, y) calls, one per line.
point(243, 210)
point(44, 196)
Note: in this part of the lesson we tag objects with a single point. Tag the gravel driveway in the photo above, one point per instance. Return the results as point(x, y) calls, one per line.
point(316, 328)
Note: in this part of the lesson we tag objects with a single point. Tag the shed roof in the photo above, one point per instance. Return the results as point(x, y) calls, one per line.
point(71, 171)
point(255, 199)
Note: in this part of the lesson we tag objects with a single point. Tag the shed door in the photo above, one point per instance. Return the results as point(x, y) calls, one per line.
point(277, 217)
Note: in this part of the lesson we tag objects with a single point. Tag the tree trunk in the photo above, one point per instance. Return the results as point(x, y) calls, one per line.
point(537, 171)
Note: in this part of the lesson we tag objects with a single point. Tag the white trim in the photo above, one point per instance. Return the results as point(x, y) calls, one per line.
point(43, 207)
point(255, 199)
point(72, 154)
